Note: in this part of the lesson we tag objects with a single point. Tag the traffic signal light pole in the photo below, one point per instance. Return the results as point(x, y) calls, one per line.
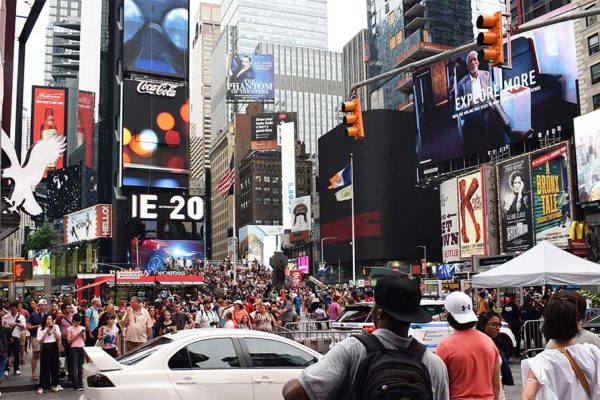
point(469, 46)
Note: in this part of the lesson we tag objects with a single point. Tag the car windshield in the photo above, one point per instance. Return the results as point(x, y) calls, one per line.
point(145, 350)
point(433, 309)
point(356, 314)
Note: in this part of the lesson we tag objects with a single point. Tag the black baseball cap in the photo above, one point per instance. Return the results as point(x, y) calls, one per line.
point(400, 298)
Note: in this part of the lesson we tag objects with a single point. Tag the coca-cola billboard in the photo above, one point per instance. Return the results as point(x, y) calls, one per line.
point(155, 134)
point(48, 116)
point(166, 89)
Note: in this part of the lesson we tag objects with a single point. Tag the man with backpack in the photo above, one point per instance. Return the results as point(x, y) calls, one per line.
point(385, 364)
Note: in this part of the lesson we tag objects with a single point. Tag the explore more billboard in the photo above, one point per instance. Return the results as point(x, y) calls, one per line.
point(464, 106)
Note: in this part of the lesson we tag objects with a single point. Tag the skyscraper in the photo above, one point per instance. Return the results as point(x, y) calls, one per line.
point(245, 24)
point(204, 34)
point(62, 41)
point(356, 65)
point(309, 82)
point(294, 22)
point(404, 31)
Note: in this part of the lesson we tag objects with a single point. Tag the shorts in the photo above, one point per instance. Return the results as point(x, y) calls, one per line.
point(35, 345)
point(23, 338)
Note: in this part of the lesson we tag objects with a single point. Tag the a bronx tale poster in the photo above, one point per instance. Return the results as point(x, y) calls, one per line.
point(449, 221)
point(551, 195)
point(514, 199)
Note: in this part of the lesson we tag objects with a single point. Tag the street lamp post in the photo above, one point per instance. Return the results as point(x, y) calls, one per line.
point(322, 240)
point(115, 267)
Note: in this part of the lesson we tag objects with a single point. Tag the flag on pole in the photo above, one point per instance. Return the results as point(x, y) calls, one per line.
point(344, 194)
point(342, 178)
point(228, 179)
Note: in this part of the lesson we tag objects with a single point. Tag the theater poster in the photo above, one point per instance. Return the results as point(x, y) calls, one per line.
point(471, 211)
point(551, 195)
point(449, 221)
point(515, 204)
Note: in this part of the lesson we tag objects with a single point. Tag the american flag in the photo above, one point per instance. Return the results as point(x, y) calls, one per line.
point(228, 179)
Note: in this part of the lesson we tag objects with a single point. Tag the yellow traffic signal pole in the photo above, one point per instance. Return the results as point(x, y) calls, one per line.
point(469, 46)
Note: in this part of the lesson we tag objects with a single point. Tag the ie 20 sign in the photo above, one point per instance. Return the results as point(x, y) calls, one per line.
point(166, 207)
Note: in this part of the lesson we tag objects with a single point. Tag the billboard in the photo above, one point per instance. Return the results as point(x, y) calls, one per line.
point(551, 188)
point(301, 214)
point(250, 78)
point(514, 194)
point(155, 37)
point(64, 191)
point(471, 209)
point(259, 242)
point(464, 106)
point(265, 129)
point(155, 135)
point(155, 255)
point(288, 172)
point(48, 116)
point(88, 224)
point(449, 220)
point(587, 145)
point(41, 261)
point(85, 125)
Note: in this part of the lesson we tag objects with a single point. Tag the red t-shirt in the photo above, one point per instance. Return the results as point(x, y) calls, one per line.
point(469, 356)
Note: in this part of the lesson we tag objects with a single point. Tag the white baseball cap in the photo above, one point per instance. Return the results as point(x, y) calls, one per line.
point(460, 306)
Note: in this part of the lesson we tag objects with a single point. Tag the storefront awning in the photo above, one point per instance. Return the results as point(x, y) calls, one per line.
point(99, 282)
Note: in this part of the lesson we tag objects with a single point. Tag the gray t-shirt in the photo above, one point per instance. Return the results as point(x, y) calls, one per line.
point(287, 317)
point(332, 376)
point(583, 337)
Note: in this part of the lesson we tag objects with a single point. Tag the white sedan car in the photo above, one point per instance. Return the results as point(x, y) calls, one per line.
point(198, 364)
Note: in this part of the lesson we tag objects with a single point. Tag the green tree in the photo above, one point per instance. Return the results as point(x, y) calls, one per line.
point(41, 238)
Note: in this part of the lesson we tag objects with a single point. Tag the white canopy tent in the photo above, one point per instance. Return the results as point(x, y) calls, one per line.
point(544, 264)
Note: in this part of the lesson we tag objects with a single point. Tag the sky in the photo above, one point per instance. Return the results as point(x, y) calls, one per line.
point(345, 19)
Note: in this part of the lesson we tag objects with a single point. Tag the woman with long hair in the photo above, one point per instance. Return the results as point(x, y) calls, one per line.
point(245, 323)
point(49, 337)
point(568, 370)
point(489, 323)
point(152, 312)
point(109, 333)
point(76, 339)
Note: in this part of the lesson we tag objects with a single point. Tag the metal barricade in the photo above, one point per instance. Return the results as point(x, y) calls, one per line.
point(533, 340)
point(311, 325)
point(318, 340)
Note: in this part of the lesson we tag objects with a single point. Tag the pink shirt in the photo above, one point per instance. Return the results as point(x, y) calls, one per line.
point(469, 356)
point(74, 331)
point(334, 311)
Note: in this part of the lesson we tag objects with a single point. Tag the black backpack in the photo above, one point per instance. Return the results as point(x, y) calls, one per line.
point(391, 373)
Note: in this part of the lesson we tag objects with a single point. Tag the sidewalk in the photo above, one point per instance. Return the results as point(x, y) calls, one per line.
point(23, 382)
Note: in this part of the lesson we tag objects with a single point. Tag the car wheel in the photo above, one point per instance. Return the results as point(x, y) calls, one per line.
point(504, 345)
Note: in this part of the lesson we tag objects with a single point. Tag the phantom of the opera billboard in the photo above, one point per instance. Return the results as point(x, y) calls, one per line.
point(250, 78)
point(463, 106)
point(156, 116)
point(155, 37)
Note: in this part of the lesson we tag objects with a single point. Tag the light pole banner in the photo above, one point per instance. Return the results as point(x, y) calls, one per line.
point(302, 214)
point(288, 172)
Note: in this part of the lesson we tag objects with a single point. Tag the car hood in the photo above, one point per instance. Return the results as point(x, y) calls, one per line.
point(101, 359)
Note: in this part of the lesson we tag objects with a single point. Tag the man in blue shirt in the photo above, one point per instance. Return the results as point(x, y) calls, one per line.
point(91, 321)
point(33, 323)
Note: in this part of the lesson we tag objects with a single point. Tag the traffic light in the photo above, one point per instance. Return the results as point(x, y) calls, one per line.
point(353, 120)
point(493, 38)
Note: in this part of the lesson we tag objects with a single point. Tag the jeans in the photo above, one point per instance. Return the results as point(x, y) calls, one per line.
point(3, 364)
point(49, 365)
point(16, 355)
point(76, 360)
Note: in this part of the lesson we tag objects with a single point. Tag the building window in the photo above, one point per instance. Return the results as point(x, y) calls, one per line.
point(591, 20)
point(595, 70)
point(593, 45)
point(596, 100)
point(267, 179)
point(392, 42)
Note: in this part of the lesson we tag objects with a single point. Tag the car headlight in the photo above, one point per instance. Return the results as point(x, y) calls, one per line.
point(99, 381)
